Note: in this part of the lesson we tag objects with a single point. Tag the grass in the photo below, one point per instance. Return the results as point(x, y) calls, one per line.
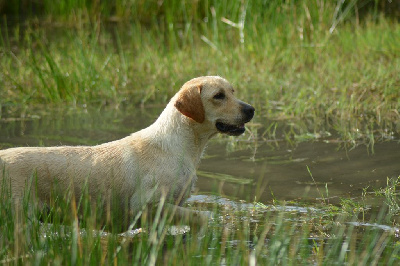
point(391, 195)
point(313, 69)
point(318, 66)
point(246, 234)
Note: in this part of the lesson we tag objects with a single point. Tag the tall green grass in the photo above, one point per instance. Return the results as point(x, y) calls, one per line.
point(320, 66)
point(249, 234)
point(311, 66)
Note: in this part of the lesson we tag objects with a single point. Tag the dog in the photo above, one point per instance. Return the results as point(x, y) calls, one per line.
point(158, 162)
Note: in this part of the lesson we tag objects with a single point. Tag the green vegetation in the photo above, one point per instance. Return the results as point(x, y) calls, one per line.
point(70, 233)
point(313, 69)
point(391, 195)
point(318, 66)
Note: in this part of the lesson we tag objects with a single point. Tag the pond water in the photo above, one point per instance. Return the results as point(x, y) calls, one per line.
point(243, 168)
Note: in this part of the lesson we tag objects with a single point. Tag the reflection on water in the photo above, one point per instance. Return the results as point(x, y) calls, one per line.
point(240, 168)
point(282, 173)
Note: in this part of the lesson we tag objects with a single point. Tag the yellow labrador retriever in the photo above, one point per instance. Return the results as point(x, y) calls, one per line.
point(157, 162)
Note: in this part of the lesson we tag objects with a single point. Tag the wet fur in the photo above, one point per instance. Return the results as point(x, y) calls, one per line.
point(155, 162)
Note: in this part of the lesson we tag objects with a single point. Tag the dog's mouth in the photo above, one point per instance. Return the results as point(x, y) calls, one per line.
point(233, 130)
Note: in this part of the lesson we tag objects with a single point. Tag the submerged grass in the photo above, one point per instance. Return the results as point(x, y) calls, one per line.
point(320, 66)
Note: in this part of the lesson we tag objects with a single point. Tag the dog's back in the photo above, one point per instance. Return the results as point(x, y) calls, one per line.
point(73, 168)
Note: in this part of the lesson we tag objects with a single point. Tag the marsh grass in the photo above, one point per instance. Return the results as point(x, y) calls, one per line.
point(313, 69)
point(315, 65)
point(246, 234)
point(391, 194)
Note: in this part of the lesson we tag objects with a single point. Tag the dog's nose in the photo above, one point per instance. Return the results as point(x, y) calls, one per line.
point(248, 110)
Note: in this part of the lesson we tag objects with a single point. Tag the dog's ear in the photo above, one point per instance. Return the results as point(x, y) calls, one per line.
point(189, 103)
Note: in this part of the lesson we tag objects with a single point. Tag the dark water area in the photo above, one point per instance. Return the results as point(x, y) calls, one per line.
point(285, 173)
point(239, 168)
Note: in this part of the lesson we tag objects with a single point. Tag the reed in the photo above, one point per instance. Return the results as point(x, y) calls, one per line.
point(70, 233)
point(321, 66)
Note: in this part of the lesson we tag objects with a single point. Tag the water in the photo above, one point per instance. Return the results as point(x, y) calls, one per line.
point(242, 168)
point(282, 173)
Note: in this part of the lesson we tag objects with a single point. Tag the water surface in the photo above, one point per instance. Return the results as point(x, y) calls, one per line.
point(243, 168)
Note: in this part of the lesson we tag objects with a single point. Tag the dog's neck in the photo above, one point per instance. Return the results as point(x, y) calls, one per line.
point(172, 129)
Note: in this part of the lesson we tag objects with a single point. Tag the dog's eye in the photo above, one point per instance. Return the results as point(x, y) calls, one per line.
point(219, 96)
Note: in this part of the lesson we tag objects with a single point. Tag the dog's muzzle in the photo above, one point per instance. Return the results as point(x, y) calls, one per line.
point(237, 129)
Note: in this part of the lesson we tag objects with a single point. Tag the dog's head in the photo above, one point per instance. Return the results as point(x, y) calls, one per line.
point(211, 99)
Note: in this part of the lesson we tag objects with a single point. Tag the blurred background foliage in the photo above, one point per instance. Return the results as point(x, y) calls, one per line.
point(177, 11)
